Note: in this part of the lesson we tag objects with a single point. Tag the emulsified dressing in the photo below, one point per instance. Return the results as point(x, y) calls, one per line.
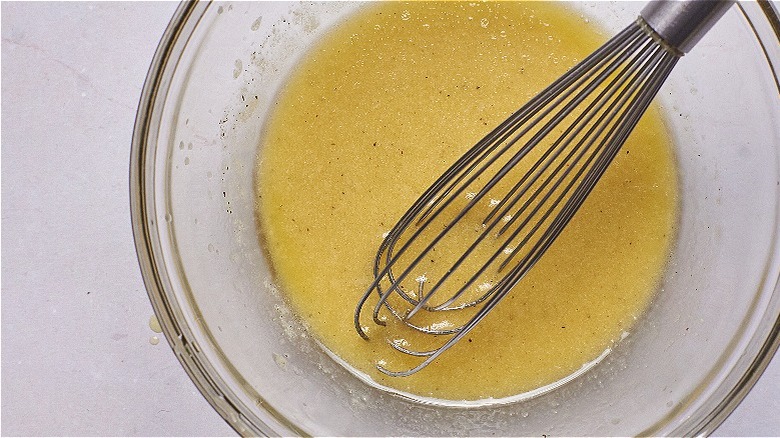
point(381, 107)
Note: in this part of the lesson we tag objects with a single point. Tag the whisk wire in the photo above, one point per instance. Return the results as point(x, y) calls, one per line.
point(556, 93)
point(580, 123)
point(502, 132)
point(521, 116)
point(576, 76)
point(626, 85)
point(574, 129)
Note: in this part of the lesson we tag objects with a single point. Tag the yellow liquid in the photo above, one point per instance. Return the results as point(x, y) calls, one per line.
point(381, 107)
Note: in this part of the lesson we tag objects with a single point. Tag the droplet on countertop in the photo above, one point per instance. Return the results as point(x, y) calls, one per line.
point(280, 360)
point(154, 340)
point(256, 24)
point(154, 324)
point(237, 69)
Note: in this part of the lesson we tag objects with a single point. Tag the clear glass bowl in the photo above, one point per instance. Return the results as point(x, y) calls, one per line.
point(705, 340)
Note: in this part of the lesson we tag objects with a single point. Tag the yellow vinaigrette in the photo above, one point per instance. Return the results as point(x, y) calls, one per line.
point(381, 107)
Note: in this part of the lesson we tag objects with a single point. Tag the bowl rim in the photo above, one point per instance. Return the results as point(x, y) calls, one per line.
point(183, 339)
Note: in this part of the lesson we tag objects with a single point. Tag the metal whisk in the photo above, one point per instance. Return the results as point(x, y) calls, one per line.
point(479, 229)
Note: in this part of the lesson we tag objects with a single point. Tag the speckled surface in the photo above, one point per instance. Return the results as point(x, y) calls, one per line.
point(76, 351)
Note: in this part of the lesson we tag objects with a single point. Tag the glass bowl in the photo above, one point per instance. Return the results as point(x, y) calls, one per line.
point(704, 341)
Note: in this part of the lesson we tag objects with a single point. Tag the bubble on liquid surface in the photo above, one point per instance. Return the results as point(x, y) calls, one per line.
point(401, 342)
point(485, 286)
point(442, 325)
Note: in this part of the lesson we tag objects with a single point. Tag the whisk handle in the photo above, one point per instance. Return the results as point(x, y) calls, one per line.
point(682, 23)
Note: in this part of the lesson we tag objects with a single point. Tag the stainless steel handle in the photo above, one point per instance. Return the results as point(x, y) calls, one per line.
point(682, 23)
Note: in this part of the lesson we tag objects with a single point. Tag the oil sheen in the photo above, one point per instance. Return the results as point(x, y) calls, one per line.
point(383, 105)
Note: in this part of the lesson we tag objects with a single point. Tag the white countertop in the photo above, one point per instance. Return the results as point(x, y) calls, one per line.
point(76, 351)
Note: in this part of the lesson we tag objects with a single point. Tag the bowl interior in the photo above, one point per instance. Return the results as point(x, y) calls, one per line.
point(213, 290)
